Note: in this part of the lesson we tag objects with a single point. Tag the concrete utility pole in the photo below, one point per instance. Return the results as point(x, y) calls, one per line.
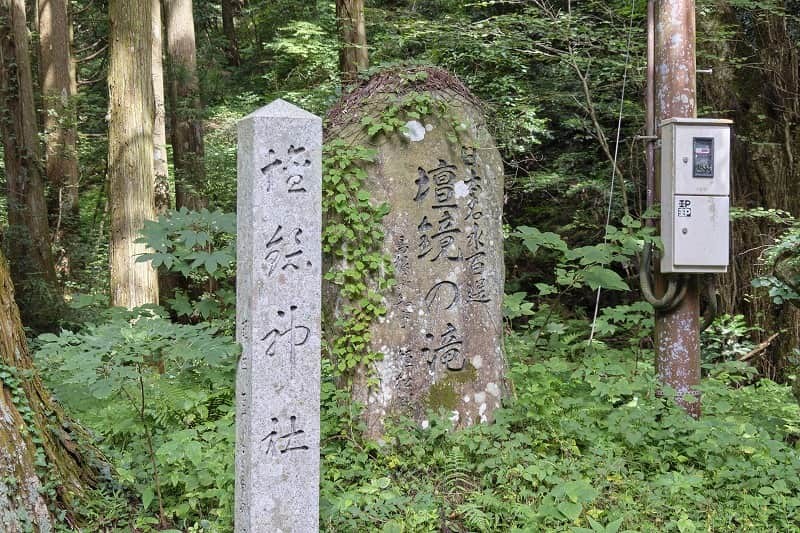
point(677, 338)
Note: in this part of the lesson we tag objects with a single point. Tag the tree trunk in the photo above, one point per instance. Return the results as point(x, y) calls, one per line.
point(763, 101)
point(162, 199)
point(130, 150)
point(60, 123)
point(185, 107)
point(34, 429)
point(28, 236)
point(353, 56)
point(229, 29)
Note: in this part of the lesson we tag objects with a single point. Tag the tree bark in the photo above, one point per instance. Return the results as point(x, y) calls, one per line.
point(762, 99)
point(185, 106)
point(60, 124)
point(29, 414)
point(229, 29)
point(59, 90)
point(162, 199)
point(130, 150)
point(28, 237)
point(353, 56)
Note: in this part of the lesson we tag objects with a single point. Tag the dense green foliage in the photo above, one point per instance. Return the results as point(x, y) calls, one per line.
point(150, 389)
point(784, 283)
point(352, 238)
point(583, 445)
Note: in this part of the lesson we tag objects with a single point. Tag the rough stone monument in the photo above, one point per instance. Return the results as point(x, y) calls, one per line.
point(442, 177)
point(278, 320)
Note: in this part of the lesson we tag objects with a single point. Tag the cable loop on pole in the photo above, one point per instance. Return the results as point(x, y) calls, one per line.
point(676, 287)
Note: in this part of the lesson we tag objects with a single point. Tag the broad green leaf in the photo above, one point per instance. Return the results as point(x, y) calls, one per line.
point(597, 276)
point(147, 497)
point(570, 510)
point(392, 527)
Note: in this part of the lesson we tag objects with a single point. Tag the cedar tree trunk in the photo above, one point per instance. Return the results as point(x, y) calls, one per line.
point(60, 123)
point(33, 429)
point(28, 236)
point(162, 198)
point(353, 36)
point(185, 107)
point(229, 29)
point(130, 150)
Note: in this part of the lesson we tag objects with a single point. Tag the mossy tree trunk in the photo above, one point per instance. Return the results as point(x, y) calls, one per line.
point(58, 88)
point(130, 150)
point(28, 235)
point(44, 462)
point(762, 98)
point(185, 106)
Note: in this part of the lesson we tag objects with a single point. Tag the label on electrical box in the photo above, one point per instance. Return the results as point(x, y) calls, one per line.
point(684, 209)
point(703, 157)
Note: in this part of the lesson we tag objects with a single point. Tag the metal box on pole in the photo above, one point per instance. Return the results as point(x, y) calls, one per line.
point(695, 195)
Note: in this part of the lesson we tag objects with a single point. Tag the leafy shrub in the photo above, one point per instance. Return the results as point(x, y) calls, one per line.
point(159, 396)
point(200, 246)
point(727, 338)
point(784, 258)
point(584, 444)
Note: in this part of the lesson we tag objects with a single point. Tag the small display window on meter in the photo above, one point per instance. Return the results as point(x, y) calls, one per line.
point(703, 157)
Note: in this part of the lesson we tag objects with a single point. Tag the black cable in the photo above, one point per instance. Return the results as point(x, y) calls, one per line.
point(676, 287)
point(711, 309)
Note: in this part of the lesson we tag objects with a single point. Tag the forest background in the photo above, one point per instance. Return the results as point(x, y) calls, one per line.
point(140, 433)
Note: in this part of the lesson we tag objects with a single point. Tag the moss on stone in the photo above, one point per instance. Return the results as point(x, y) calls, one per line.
point(445, 394)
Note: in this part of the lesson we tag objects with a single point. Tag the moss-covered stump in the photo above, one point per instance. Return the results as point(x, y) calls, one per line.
point(437, 168)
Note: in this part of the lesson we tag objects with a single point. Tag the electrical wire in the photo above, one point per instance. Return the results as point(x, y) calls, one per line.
point(676, 286)
point(616, 154)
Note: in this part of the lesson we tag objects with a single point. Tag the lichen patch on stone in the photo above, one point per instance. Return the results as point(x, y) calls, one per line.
point(414, 131)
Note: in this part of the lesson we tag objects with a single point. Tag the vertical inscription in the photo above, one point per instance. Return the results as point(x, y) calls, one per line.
point(438, 230)
point(404, 380)
point(477, 289)
point(402, 272)
point(449, 232)
point(278, 313)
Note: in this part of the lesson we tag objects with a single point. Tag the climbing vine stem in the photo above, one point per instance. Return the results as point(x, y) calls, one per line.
point(353, 235)
point(353, 238)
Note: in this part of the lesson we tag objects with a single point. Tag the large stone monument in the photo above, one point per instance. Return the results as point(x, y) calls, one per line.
point(442, 176)
point(278, 320)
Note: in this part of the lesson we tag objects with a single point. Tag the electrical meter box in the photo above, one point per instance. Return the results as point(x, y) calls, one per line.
point(695, 195)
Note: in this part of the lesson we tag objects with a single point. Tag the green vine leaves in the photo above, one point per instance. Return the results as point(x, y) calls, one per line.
point(353, 234)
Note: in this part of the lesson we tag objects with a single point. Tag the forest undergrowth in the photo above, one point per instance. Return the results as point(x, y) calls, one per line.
point(583, 444)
